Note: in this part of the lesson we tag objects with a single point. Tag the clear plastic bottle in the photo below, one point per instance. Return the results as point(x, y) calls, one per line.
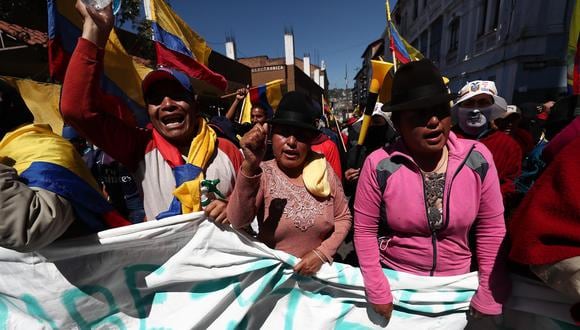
point(101, 4)
point(204, 197)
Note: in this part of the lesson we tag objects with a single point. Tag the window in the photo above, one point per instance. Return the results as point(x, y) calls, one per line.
point(483, 18)
point(496, 12)
point(454, 34)
point(423, 42)
point(435, 42)
point(415, 8)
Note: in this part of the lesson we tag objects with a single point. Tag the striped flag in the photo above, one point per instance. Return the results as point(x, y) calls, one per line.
point(123, 76)
point(42, 99)
point(267, 96)
point(178, 46)
point(404, 52)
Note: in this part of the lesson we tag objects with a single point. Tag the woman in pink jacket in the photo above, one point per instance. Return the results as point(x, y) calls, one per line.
point(429, 190)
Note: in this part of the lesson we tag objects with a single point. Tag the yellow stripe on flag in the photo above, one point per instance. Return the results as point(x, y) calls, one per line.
point(42, 99)
point(246, 110)
point(119, 65)
point(169, 21)
point(274, 92)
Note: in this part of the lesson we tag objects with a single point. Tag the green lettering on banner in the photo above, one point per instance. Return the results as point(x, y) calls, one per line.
point(36, 310)
point(340, 322)
point(266, 276)
point(202, 289)
point(294, 297)
point(141, 302)
point(3, 314)
point(71, 296)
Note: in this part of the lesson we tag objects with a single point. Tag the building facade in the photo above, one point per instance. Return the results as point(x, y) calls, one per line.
point(521, 45)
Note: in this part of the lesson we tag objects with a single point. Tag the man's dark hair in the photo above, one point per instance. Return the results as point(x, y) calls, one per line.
point(13, 110)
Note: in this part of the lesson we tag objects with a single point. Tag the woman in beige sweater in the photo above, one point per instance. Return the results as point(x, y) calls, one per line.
point(297, 197)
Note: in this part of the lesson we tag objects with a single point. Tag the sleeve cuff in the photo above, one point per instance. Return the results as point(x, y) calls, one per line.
point(491, 308)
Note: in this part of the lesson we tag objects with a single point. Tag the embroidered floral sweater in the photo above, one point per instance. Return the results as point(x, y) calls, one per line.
point(289, 217)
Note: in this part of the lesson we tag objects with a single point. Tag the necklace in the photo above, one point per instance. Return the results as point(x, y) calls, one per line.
point(440, 164)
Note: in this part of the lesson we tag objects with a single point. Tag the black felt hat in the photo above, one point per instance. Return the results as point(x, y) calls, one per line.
point(295, 109)
point(417, 85)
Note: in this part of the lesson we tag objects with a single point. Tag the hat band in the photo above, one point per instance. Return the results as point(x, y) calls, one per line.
point(294, 116)
point(419, 92)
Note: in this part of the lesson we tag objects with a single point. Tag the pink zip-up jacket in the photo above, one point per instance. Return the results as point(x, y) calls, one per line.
point(471, 199)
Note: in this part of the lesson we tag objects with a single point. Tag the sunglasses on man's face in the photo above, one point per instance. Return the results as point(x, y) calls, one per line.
point(157, 98)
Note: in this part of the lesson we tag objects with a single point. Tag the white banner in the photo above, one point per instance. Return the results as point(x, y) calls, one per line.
point(185, 272)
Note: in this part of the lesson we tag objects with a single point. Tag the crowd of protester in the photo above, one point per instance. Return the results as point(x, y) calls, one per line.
point(443, 184)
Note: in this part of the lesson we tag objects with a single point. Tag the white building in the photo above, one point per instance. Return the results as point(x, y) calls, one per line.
point(520, 44)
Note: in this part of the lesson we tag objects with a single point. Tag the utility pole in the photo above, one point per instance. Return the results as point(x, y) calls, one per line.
point(345, 76)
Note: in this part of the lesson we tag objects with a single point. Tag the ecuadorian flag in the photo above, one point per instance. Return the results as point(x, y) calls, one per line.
point(123, 76)
point(48, 161)
point(404, 52)
point(178, 46)
point(267, 96)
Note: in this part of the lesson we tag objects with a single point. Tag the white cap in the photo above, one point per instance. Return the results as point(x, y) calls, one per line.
point(478, 87)
point(379, 112)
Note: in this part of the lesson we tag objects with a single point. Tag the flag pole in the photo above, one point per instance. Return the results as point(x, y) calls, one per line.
point(242, 112)
point(390, 36)
point(269, 83)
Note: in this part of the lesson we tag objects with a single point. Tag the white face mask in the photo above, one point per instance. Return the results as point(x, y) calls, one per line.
point(473, 121)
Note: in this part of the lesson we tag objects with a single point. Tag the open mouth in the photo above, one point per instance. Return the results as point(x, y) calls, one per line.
point(173, 120)
point(290, 154)
point(433, 137)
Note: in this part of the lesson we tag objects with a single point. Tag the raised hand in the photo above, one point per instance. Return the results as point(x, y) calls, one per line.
point(253, 146)
point(241, 93)
point(97, 24)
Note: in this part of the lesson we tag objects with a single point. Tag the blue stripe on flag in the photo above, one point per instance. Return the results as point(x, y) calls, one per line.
point(182, 174)
point(262, 92)
point(170, 41)
point(87, 201)
point(52, 12)
point(399, 45)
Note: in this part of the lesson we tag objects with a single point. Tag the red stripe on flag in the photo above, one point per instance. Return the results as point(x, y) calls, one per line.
point(58, 59)
point(255, 96)
point(190, 66)
point(400, 57)
point(114, 219)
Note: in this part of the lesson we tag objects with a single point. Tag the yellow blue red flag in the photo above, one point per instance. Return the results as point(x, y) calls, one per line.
point(123, 75)
point(178, 46)
point(45, 160)
point(267, 96)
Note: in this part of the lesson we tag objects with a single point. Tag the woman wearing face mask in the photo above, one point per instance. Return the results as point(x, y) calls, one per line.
point(297, 197)
point(474, 111)
point(429, 189)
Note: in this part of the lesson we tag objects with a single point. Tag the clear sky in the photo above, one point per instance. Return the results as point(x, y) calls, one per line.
point(334, 31)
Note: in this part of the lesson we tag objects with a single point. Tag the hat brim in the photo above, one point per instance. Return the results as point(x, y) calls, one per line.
point(420, 103)
point(293, 124)
point(199, 87)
